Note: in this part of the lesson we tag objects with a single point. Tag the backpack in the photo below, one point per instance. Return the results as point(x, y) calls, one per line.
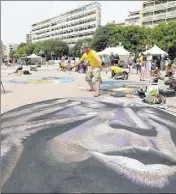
point(26, 72)
point(154, 99)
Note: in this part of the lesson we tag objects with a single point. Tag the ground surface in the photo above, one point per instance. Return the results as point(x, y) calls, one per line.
point(61, 139)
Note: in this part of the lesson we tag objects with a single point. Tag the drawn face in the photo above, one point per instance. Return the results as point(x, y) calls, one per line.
point(97, 143)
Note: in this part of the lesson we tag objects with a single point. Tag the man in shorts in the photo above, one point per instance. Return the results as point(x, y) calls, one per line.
point(94, 70)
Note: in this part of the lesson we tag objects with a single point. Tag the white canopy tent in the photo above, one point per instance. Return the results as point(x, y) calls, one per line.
point(120, 51)
point(155, 50)
point(33, 56)
point(123, 53)
point(107, 51)
point(115, 50)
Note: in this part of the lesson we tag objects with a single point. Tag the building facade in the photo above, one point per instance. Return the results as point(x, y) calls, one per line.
point(28, 38)
point(75, 24)
point(134, 18)
point(3, 51)
point(155, 12)
point(9, 48)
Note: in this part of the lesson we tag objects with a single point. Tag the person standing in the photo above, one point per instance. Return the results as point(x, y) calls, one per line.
point(112, 59)
point(158, 62)
point(148, 62)
point(116, 59)
point(143, 69)
point(94, 70)
point(107, 61)
point(138, 66)
point(130, 63)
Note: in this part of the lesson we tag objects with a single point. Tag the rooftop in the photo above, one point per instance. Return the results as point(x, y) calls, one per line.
point(65, 13)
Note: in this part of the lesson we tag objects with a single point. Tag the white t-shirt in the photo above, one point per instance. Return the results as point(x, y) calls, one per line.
point(149, 58)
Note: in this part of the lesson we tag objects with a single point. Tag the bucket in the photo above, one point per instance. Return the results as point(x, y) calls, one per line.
point(20, 72)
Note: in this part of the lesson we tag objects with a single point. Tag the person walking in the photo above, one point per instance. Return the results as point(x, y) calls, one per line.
point(94, 70)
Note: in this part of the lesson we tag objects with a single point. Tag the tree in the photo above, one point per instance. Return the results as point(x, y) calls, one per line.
point(57, 47)
point(101, 37)
point(21, 45)
point(135, 38)
point(164, 35)
point(76, 50)
point(54, 47)
point(12, 53)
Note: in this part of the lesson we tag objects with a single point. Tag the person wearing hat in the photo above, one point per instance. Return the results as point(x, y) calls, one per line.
point(94, 70)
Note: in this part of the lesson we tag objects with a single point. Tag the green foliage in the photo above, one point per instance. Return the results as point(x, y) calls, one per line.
point(135, 38)
point(21, 45)
point(13, 53)
point(56, 47)
point(76, 50)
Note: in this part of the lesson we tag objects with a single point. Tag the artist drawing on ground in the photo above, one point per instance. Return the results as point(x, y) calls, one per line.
point(71, 145)
point(93, 69)
point(88, 106)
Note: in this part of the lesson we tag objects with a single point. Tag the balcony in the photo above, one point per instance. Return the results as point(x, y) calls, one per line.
point(147, 18)
point(74, 22)
point(148, 9)
point(160, 7)
point(161, 16)
point(171, 4)
point(74, 27)
point(73, 18)
point(171, 14)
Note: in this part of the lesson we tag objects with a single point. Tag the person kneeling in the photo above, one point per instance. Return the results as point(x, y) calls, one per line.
point(118, 73)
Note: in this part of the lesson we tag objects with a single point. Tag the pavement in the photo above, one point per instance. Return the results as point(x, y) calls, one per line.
point(21, 94)
point(58, 138)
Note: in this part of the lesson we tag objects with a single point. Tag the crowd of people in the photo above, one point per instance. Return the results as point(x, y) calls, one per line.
point(91, 63)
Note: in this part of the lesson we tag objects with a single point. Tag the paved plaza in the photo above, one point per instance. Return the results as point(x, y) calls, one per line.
point(58, 138)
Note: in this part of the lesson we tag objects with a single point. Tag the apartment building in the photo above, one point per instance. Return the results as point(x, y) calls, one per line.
point(155, 12)
point(10, 47)
point(70, 26)
point(133, 18)
point(28, 38)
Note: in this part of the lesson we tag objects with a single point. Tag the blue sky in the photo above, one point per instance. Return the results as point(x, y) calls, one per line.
point(17, 16)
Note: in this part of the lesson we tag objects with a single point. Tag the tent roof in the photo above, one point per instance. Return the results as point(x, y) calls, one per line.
point(155, 50)
point(115, 50)
point(33, 56)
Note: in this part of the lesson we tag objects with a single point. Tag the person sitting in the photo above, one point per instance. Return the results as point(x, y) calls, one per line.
point(19, 68)
point(62, 64)
point(169, 70)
